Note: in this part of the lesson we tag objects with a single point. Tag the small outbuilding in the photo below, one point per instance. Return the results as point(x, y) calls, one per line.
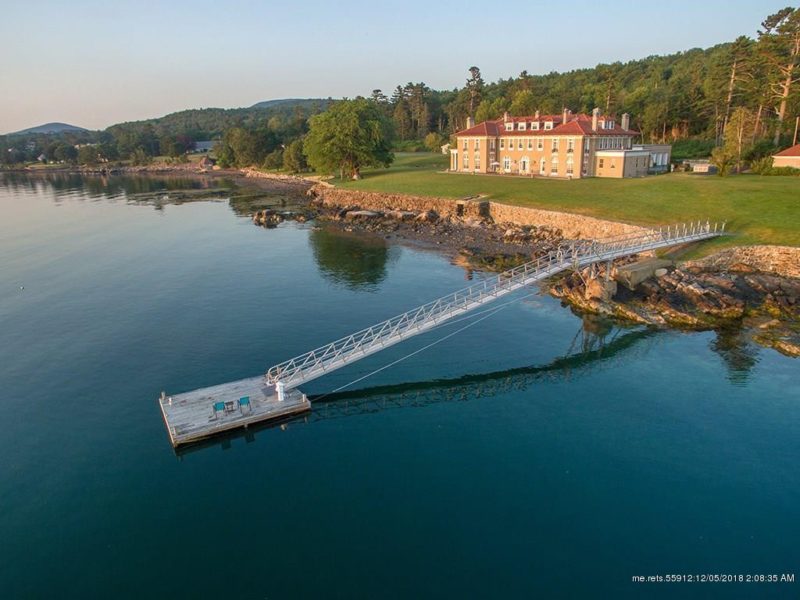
point(702, 166)
point(787, 158)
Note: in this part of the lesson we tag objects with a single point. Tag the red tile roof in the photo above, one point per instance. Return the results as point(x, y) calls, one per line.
point(793, 151)
point(579, 124)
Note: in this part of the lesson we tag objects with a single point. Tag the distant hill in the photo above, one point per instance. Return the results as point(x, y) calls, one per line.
point(211, 123)
point(291, 102)
point(50, 128)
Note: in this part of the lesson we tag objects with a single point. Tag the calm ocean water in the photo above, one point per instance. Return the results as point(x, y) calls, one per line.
point(534, 454)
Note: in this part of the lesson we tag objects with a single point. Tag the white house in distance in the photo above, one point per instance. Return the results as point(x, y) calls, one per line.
point(787, 158)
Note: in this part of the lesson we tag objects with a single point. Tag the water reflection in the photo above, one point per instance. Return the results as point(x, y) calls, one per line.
point(150, 189)
point(111, 186)
point(603, 343)
point(740, 354)
point(599, 349)
point(357, 262)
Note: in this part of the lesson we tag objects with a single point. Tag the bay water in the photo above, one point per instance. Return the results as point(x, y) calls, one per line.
point(534, 453)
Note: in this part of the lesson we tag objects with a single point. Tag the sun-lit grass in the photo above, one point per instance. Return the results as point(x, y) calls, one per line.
point(759, 210)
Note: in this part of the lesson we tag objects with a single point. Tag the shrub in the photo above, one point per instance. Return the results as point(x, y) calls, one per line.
point(434, 141)
point(762, 166)
point(683, 149)
point(293, 158)
point(274, 160)
point(791, 171)
point(408, 146)
point(723, 160)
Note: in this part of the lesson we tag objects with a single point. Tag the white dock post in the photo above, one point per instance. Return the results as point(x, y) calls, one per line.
point(280, 388)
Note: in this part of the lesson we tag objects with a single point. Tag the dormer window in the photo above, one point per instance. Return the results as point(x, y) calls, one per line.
point(521, 126)
point(509, 127)
point(535, 125)
point(608, 125)
point(548, 124)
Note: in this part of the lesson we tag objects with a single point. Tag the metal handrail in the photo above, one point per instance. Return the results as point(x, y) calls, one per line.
point(336, 354)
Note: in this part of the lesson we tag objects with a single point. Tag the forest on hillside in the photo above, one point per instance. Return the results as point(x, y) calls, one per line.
point(744, 94)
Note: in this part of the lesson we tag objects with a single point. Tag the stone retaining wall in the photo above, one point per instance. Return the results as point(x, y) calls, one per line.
point(782, 260)
point(572, 226)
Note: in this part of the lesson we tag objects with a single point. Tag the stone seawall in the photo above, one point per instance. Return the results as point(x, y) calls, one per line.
point(572, 226)
point(782, 260)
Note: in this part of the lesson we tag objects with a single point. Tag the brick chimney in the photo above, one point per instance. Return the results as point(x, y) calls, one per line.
point(536, 115)
point(595, 116)
point(505, 117)
point(626, 121)
point(564, 114)
point(470, 122)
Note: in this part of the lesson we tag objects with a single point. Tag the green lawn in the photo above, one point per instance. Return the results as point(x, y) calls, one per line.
point(760, 210)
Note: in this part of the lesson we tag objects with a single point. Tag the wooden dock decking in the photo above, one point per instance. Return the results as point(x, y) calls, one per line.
point(192, 416)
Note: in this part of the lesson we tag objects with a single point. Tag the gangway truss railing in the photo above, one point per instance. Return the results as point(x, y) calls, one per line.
point(323, 360)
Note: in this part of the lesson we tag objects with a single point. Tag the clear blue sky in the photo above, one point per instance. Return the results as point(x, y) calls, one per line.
point(93, 63)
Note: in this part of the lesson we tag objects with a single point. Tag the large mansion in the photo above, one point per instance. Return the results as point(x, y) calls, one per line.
point(566, 145)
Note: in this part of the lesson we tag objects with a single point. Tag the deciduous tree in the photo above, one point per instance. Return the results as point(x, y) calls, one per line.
point(350, 135)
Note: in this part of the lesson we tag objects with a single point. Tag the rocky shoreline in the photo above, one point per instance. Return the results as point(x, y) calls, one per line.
point(763, 307)
point(754, 291)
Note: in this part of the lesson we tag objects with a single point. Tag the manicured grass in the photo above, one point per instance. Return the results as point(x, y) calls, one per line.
point(759, 210)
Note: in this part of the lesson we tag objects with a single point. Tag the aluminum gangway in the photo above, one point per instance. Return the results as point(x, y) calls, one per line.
point(325, 359)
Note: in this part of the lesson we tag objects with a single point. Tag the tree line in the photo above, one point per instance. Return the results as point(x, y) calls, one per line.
point(745, 90)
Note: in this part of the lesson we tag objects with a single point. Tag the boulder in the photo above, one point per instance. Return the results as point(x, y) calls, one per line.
point(428, 216)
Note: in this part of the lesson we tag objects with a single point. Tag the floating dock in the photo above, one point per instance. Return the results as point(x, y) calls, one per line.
point(196, 415)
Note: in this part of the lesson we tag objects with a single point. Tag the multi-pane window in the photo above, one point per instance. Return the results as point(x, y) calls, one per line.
point(491, 144)
point(477, 163)
point(507, 164)
point(554, 146)
point(519, 144)
point(548, 124)
point(466, 144)
point(570, 145)
point(554, 166)
point(502, 144)
point(539, 144)
point(521, 126)
point(477, 144)
point(530, 144)
point(569, 166)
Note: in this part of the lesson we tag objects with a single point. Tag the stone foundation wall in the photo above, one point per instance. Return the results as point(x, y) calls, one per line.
point(782, 260)
point(572, 226)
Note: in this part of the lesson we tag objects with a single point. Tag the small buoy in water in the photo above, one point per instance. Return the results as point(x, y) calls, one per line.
point(22, 287)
